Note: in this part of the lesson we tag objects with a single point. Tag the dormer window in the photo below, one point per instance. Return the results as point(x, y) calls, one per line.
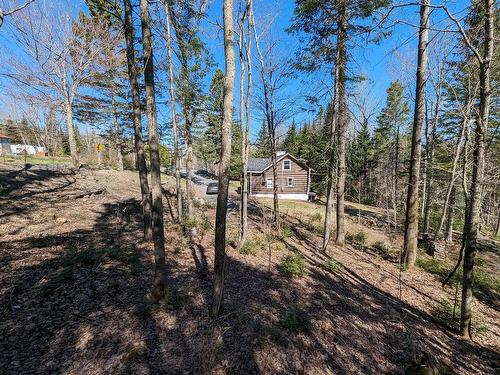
point(287, 165)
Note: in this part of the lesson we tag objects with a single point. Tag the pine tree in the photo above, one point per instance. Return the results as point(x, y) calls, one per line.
point(391, 124)
point(291, 142)
point(262, 143)
point(330, 27)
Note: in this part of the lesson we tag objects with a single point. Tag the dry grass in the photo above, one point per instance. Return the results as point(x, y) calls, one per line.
point(75, 295)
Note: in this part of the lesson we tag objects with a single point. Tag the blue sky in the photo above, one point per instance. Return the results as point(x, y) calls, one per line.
point(393, 58)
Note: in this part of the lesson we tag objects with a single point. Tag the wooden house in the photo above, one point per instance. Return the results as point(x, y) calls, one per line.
point(294, 177)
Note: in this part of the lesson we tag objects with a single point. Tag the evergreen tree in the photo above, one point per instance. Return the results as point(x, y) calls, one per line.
point(262, 144)
point(391, 124)
point(291, 142)
point(208, 147)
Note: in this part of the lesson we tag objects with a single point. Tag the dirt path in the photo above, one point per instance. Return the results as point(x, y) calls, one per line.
point(75, 283)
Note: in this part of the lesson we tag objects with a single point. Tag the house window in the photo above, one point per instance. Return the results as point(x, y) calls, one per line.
point(287, 165)
point(290, 182)
point(269, 183)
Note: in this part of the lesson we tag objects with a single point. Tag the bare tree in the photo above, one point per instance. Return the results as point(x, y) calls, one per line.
point(160, 280)
point(221, 212)
point(274, 72)
point(185, 18)
point(59, 57)
point(471, 227)
point(245, 58)
point(465, 111)
point(10, 12)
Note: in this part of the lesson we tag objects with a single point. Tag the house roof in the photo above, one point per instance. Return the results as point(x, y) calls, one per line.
point(259, 165)
point(3, 136)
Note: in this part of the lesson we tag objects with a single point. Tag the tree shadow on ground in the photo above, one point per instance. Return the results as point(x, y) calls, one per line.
point(21, 190)
point(79, 302)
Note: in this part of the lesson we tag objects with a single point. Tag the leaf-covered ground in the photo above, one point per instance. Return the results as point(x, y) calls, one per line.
point(75, 282)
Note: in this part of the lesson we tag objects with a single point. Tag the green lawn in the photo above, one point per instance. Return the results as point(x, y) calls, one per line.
point(37, 160)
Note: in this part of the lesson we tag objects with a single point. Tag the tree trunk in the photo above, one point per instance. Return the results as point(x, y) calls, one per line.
point(427, 195)
point(140, 160)
point(160, 278)
point(497, 230)
point(269, 113)
point(68, 112)
point(189, 172)
point(116, 134)
point(411, 221)
point(471, 229)
point(276, 207)
point(245, 130)
point(449, 190)
point(178, 190)
point(342, 120)
point(331, 160)
point(396, 173)
point(449, 220)
point(222, 195)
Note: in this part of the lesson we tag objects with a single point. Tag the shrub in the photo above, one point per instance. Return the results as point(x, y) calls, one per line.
point(286, 232)
point(293, 265)
point(359, 237)
point(204, 223)
point(316, 217)
point(250, 247)
point(191, 223)
point(443, 314)
point(174, 298)
point(334, 265)
point(385, 250)
point(295, 320)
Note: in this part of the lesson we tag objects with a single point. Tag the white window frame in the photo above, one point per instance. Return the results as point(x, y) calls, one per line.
point(289, 165)
point(288, 184)
point(269, 183)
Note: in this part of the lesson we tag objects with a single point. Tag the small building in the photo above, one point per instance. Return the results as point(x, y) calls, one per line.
point(19, 149)
point(5, 143)
point(294, 177)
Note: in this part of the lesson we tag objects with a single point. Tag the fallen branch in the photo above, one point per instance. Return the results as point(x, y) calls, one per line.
point(83, 194)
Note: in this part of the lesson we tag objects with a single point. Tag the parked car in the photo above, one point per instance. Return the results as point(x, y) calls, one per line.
point(213, 188)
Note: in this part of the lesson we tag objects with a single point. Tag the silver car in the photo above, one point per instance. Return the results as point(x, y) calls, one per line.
point(213, 188)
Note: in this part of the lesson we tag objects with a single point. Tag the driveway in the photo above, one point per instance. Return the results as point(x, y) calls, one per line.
point(201, 179)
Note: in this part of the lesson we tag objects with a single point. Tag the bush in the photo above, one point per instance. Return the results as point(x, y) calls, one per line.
point(191, 223)
point(295, 320)
point(204, 223)
point(386, 251)
point(316, 217)
point(251, 246)
point(174, 298)
point(293, 265)
point(443, 314)
point(357, 239)
point(286, 232)
point(335, 266)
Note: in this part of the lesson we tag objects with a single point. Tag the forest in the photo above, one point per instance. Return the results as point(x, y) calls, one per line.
point(242, 186)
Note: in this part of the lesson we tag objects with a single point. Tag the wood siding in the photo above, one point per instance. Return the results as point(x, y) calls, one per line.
point(258, 182)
